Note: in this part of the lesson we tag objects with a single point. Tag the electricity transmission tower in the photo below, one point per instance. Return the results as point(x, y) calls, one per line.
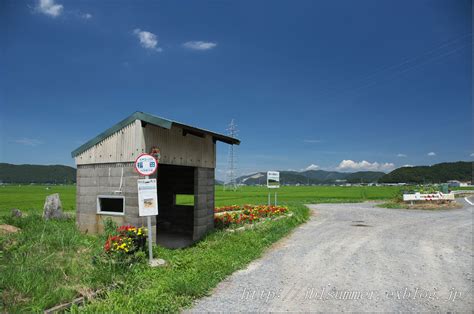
point(231, 182)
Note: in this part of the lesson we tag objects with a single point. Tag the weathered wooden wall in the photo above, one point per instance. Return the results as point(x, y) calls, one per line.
point(177, 148)
point(122, 146)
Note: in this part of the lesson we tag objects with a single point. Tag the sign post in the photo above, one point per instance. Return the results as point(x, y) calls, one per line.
point(148, 206)
point(150, 239)
point(273, 182)
point(147, 165)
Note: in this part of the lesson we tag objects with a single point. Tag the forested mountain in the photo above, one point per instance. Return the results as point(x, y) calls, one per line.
point(313, 177)
point(439, 173)
point(462, 171)
point(25, 174)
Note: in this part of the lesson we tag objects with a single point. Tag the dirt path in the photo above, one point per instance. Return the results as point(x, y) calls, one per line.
point(357, 257)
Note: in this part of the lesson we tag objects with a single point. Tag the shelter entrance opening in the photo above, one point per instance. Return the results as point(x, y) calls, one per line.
point(175, 221)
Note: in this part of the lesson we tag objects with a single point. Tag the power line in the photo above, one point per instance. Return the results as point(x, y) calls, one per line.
point(396, 74)
point(432, 55)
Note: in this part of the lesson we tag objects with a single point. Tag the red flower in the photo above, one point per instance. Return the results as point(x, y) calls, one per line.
point(110, 240)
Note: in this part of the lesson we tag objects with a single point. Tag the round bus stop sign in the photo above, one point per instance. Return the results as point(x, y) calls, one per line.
point(146, 165)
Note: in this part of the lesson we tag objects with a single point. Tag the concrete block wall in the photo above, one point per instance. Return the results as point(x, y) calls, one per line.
point(104, 179)
point(203, 201)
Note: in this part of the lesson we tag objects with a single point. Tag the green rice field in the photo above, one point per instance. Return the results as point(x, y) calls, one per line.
point(30, 198)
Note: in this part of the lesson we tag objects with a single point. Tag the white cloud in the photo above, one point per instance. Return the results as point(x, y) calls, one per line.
point(365, 165)
point(86, 16)
point(408, 166)
point(431, 154)
point(312, 141)
point(199, 45)
point(28, 141)
point(401, 155)
point(312, 167)
point(472, 155)
point(148, 40)
point(49, 7)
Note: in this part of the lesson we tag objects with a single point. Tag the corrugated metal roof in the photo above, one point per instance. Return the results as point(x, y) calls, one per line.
point(151, 119)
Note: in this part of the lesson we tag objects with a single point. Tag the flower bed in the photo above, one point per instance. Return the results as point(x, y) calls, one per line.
point(230, 208)
point(239, 215)
point(128, 240)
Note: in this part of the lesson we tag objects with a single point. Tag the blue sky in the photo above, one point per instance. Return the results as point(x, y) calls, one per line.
point(347, 85)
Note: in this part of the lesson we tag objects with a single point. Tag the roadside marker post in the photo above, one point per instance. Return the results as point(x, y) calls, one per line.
point(147, 165)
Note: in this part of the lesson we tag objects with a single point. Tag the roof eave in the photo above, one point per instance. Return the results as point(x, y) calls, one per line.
point(215, 136)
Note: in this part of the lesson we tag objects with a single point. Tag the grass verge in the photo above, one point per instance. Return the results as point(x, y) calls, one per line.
point(424, 206)
point(193, 272)
point(49, 262)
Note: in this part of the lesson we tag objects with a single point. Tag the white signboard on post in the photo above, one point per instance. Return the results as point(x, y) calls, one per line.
point(146, 165)
point(147, 197)
point(273, 179)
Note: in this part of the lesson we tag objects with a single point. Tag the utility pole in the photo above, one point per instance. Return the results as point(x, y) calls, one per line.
point(231, 182)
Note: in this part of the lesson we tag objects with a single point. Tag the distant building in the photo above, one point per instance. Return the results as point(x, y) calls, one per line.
point(454, 183)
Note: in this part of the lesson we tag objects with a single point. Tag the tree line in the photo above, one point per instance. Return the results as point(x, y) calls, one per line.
point(438, 173)
point(25, 174)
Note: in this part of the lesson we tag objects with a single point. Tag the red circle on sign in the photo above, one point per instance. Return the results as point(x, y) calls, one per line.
point(145, 174)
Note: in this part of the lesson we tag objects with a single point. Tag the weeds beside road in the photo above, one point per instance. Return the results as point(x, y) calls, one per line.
point(50, 262)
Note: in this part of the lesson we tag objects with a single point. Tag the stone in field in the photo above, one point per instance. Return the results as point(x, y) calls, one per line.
point(6, 229)
point(52, 207)
point(16, 212)
point(66, 216)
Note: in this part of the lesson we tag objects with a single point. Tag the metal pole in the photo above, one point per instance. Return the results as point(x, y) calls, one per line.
point(150, 238)
point(275, 198)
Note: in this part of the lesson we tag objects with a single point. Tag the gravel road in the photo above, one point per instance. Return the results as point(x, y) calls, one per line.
point(357, 257)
